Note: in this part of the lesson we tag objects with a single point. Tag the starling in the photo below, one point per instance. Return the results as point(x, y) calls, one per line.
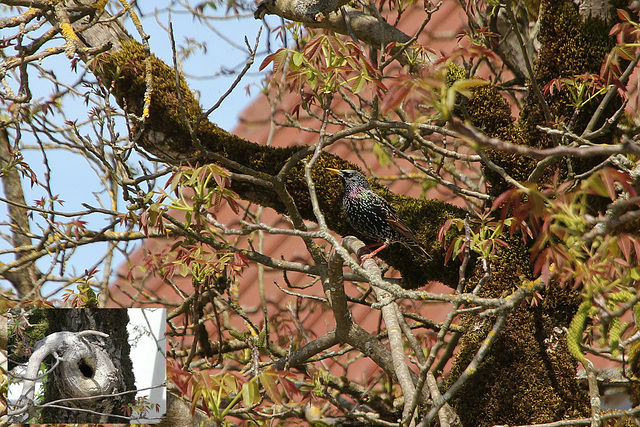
point(373, 217)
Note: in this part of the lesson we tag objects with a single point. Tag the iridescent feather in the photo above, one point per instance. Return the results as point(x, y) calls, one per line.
point(373, 217)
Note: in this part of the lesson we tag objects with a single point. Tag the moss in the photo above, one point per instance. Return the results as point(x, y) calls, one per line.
point(490, 112)
point(455, 73)
point(529, 377)
point(589, 43)
point(30, 336)
point(125, 70)
point(570, 47)
point(424, 217)
point(171, 116)
point(518, 167)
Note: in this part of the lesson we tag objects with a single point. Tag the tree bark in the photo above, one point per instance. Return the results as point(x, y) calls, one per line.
point(524, 366)
point(175, 131)
point(24, 277)
point(116, 349)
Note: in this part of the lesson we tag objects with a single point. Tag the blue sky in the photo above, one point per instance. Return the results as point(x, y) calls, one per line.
point(219, 55)
point(72, 178)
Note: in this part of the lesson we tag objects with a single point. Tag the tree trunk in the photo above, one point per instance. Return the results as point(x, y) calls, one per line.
point(525, 366)
point(116, 348)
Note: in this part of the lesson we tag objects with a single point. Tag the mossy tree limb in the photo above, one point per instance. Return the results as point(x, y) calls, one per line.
point(168, 135)
point(530, 376)
point(524, 346)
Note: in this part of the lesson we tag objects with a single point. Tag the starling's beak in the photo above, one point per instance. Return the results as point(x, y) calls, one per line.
point(336, 171)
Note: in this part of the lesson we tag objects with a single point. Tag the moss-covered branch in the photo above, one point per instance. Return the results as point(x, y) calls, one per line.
point(530, 376)
point(524, 379)
point(168, 133)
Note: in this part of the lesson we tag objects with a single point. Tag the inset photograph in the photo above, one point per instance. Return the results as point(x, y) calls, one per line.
point(86, 366)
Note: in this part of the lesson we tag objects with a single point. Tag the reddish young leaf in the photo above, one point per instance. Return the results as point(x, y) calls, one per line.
point(441, 236)
point(624, 243)
point(636, 248)
point(267, 379)
point(394, 97)
point(623, 15)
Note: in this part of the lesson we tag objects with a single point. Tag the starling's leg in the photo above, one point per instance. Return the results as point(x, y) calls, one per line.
point(372, 254)
point(367, 249)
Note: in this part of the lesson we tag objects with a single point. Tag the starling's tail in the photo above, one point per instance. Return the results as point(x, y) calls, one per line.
point(419, 250)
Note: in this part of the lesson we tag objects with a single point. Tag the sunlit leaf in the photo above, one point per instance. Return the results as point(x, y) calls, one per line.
point(267, 380)
point(250, 393)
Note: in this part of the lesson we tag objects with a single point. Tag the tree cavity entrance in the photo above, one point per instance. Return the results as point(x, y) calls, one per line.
point(86, 369)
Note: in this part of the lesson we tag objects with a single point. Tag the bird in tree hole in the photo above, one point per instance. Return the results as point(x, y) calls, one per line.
point(373, 217)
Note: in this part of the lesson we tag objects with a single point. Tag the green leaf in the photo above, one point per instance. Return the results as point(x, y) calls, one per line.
point(382, 155)
point(270, 387)
point(250, 393)
point(576, 328)
point(359, 84)
point(230, 383)
point(464, 86)
point(297, 59)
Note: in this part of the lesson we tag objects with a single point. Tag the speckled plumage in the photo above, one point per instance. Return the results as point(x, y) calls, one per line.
point(373, 217)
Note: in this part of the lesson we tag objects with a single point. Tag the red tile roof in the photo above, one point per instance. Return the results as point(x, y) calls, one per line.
point(440, 35)
point(307, 318)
